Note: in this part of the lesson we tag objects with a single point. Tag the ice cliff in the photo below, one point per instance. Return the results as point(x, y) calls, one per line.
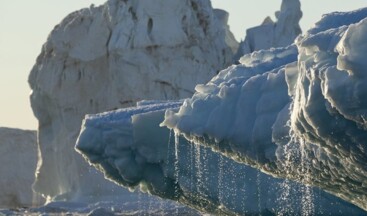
point(18, 159)
point(110, 56)
point(133, 151)
point(296, 113)
point(270, 34)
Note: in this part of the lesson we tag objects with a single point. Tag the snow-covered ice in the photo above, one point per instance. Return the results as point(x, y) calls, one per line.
point(272, 34)
point(295, 113)
point(131, 149)
point(302, 120)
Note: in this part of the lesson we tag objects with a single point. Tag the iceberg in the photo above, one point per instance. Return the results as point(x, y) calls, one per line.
point(272, 34)
point(95, 60)
point(295, 113)
point(303, 120)
point(130, 148)
point(18, 159)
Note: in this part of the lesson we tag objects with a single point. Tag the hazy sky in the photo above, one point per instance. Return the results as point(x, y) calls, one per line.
point(24, 26)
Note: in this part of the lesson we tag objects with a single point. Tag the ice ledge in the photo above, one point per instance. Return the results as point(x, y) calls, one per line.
point(130, 148)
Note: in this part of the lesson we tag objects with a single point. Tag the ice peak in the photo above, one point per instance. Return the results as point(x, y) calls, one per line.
point(270, 34)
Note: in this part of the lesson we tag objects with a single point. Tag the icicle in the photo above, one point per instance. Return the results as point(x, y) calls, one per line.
point(221, 190)
point(295, 153)
point(204, 171)
point(192, 168)
point(140, 204)
point(307, 195)
point(177, 168)
point(198, 167)
point(232, 189)
point(242, 192)
point(285, 199)
point(169, 146)
point(258, 191)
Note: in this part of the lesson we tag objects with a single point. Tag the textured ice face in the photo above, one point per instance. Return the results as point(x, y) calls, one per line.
point(236, 110)
point(111, 56)
point(295, 113)
point(271, 34)
point(130, 148)
point(303, 120)
point(18, 159)
point(329, 109)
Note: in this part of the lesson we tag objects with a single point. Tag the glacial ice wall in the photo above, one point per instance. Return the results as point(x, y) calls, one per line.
point(18, 159)
point(130, 148)
point(110, 56)
point(301, 120)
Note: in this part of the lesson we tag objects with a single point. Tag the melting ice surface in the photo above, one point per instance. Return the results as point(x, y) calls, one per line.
point(296, 113)
point(132, 150)
point(303, 120)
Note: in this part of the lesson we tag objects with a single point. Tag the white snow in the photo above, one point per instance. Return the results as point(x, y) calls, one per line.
point(111, 56)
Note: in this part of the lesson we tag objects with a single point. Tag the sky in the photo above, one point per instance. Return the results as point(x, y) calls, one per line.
point(25, 25)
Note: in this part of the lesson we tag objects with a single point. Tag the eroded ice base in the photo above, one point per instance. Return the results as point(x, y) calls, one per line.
point(132, 150)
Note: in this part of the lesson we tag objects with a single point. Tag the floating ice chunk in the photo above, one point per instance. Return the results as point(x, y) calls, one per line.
point(302, 119)
point(172, 168)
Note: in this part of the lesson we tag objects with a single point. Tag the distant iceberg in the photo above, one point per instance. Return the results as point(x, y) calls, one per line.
point(18, 159)
point(296, 113)
point(272, 34)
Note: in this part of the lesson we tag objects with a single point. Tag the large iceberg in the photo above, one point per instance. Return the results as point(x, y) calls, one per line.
point(295, 113)
point(97, 58)
point(18, 159)
point(303, 120)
